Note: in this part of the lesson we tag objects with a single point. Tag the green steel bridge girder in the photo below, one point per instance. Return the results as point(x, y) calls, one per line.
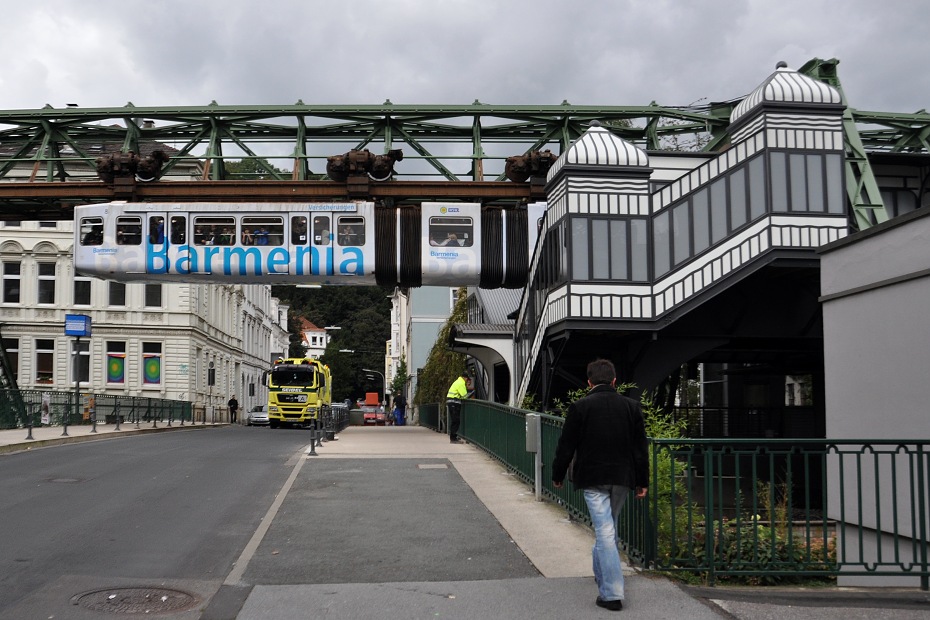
point(315, 132)
point(451, 141)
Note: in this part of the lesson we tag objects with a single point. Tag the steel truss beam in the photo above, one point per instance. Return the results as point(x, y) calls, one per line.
point(448, 143)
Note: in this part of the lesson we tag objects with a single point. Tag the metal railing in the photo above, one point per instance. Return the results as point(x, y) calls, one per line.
point(28, 408)
point(758, 510)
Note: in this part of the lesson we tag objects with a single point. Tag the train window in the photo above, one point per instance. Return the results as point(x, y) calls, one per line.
point(156, 229)
point(214, 230)
point(351, 230)
point(91, 231)
point(321, 230)
point(451, 231)
point(299, 230)
point(128, 230)
point(265, 229)
point(178, 229)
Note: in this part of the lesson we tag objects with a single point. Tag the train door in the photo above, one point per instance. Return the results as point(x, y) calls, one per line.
point(451, 243)
point(154, 238)
point(179, 253)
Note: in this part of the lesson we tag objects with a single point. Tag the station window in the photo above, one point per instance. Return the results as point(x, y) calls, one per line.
point(351, 230)
point(451, 231)
point(265, 229)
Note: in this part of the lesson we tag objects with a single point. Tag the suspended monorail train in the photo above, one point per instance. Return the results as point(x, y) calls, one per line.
point(454, 244)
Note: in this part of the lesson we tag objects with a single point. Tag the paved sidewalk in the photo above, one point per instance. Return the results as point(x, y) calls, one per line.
point(559, 549)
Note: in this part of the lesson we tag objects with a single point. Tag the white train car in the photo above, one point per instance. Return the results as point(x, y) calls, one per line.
point(454, 244)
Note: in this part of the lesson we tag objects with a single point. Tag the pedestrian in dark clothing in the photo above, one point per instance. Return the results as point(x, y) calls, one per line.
point(400, 407)
point(603, 444)
point(233, 405)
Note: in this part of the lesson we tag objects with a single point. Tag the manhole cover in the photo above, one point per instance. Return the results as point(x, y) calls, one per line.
point(136, 600)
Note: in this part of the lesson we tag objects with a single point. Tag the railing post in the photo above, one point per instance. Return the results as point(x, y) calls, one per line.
point(922, 463)
point(534, 444)
point(709, 534)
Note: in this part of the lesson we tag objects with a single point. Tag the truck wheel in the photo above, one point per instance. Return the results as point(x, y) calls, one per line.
point(273, 423)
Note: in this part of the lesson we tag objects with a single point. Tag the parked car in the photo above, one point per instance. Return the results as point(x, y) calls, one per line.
point(258, 416)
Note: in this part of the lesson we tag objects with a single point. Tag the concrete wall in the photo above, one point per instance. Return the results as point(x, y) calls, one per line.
point(875, 289)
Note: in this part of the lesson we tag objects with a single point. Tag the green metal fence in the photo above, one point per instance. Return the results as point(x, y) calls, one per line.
point(22, 408)
point(755, 510)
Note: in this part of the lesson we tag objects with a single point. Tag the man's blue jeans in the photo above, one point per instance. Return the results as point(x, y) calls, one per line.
point(604, 504)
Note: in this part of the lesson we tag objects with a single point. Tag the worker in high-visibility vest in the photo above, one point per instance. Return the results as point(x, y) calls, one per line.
point(457, 391)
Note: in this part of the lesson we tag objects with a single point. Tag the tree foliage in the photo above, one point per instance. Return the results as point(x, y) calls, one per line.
point(252, 168)
point(362, 314)
point(442, 366)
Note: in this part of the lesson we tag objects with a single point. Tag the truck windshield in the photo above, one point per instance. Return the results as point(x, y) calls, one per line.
point(300, 377)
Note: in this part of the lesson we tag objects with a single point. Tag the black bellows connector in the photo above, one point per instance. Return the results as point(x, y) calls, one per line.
point(492, 256)
point(518, 250)
point(386, 246)
point(411, 241)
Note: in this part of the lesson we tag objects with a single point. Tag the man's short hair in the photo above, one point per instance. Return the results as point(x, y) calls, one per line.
point(601, 371)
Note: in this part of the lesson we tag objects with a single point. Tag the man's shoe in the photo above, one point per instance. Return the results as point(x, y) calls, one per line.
point(455, 441)
point(611, 605)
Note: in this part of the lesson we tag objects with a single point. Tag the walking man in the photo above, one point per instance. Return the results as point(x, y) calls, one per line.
point(605, 434)
point(457, 391)
point(233, 405)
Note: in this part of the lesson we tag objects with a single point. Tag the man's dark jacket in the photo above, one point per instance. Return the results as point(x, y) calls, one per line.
point(605, 434)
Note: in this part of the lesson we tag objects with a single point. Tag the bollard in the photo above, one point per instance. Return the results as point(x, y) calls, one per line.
point(116, 413)
point(29, 421)
point(312, 443)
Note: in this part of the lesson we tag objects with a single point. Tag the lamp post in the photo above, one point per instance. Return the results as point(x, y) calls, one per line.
point(383, 383)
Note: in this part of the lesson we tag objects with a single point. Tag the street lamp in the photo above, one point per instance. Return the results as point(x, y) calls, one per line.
point(383, 382)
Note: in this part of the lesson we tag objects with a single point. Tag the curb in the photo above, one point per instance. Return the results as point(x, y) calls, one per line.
point(32, 444)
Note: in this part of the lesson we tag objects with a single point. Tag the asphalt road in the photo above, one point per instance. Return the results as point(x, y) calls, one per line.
point(170, 508)
point(222, 523)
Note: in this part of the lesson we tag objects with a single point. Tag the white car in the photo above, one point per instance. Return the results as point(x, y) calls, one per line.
point(258, 416)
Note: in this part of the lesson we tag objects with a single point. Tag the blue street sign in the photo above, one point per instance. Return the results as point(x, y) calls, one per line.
point(77, 325)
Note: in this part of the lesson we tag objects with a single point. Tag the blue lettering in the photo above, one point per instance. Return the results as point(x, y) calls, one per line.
point(303, 252)
point(208, 253)
point(238, 261)
point(276, 258)
point(152, 256)
point(242, 255)
point(355, 259)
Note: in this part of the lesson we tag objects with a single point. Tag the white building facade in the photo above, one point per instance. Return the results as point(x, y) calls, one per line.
point(200, 343)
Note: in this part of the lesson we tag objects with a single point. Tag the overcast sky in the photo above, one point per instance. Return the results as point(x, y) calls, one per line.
point(508, 52)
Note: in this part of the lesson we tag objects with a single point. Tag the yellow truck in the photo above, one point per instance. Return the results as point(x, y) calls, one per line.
point(299, 391)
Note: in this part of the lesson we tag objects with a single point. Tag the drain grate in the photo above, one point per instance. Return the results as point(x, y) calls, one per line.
point(136, 600)
point(432, 466)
